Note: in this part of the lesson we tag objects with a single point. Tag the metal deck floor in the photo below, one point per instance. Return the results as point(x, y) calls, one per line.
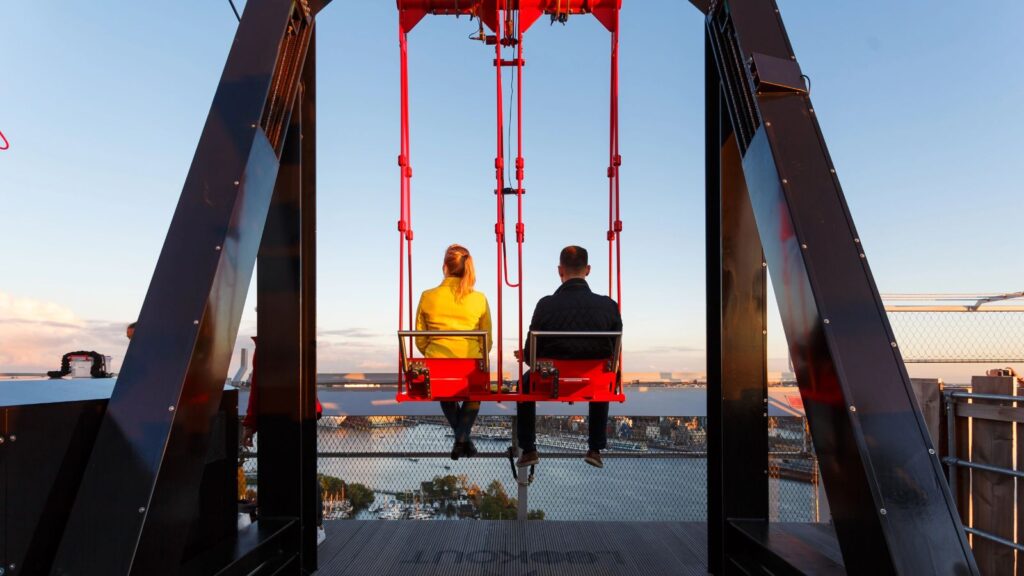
point(509, 548)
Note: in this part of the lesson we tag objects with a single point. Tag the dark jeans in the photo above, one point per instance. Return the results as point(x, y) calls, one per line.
point(461, 418)
point(527, 426)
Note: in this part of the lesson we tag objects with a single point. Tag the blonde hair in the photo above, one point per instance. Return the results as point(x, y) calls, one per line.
point(459, 264)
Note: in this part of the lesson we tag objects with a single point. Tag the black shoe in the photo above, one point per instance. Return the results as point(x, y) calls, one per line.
point(458, 450)
point(469, 449)
point(593, 458)
point(528, 458)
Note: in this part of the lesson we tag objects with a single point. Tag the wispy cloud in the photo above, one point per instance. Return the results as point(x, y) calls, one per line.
point(349, 333)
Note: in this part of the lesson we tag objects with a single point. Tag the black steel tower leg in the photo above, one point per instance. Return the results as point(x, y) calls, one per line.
point(890, 505)
point(138, 495)
point(737, 351)
point(285, 325)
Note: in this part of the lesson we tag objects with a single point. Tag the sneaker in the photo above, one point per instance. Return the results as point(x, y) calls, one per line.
point(528, 458)
point(321, 535)
point(469, 449)
point(593, 458)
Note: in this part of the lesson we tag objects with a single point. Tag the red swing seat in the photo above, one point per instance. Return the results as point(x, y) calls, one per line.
point(442, 379)
point(585, 380)
point(551, 379)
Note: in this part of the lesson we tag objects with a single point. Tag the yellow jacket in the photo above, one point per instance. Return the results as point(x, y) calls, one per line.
point(438, 310)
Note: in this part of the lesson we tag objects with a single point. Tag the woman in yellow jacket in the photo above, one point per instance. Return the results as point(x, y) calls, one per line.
point(454, 305)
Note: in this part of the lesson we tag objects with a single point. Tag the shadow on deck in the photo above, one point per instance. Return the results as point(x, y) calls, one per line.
point(494, 547)
point(510, 548)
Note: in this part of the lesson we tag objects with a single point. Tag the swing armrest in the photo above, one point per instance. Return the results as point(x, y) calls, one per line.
point(479, 334)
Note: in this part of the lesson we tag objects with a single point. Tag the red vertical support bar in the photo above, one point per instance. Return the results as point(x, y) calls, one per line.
point(405, 219)
point(520, 167)
point(402, 163)
point(499, 163)
point(616, 160)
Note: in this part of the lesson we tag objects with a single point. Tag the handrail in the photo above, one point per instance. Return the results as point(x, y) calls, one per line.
point(481, 334)
point(983, 396)
point(616, 354)
point(954, 463)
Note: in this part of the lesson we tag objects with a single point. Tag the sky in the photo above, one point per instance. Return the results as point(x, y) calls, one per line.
point(103, 104)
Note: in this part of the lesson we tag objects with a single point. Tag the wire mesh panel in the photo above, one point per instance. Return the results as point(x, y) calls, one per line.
point(655, 469)
point(959, 336)
point(793, 477)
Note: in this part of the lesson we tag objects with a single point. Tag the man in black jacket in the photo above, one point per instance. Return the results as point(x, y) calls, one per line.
point(572, 308)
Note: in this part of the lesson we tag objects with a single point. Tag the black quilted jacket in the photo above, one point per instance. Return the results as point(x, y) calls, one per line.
point(573, 307)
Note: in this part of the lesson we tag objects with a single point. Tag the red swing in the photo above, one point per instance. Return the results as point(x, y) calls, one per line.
point(460, 379)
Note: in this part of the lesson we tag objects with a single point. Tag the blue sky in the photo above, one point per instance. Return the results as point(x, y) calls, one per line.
point(103, 104)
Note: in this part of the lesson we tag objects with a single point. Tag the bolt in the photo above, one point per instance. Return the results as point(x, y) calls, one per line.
point(252, 125)
point(767, 123)
point(856, 240)
point(765, 414)
point(195, 322)
point(142, 509)
point(812, 110)
point(217, 248)
point(764, 331)
point(764, 264)
point(784, 181)
point(931, 450)
point(792, 57)
point(804, 246)
point(893, 344)
point(170, 408)
point(827, 321)
point(236, 182)
point(853, 408)
point(862, 255)
point(13, 438)
point(882, 512)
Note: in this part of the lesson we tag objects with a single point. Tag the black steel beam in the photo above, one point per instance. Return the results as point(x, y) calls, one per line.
point(308, 368)
point(286, 325)
point(138, 495)
point(737, 345)
point(713, 320)
point(890, 504)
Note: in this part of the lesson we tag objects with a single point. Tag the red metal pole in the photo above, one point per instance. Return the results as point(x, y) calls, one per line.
point(499, 163)
point(520, 167)
point(616, 160)
point(405, 217)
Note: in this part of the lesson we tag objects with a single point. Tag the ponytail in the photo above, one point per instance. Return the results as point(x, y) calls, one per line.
point(459, 264)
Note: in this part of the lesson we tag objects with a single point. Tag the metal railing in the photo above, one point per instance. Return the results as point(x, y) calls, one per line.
point(965, 405)
point(655, 469)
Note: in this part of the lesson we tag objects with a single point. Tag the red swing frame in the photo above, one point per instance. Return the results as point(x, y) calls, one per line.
point(460, 379)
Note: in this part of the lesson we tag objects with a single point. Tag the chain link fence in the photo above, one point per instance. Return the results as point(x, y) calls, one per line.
point(655, 469)
point(959, 336)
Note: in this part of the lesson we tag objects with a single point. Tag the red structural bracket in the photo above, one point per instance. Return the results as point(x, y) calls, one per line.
point(412, 11)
